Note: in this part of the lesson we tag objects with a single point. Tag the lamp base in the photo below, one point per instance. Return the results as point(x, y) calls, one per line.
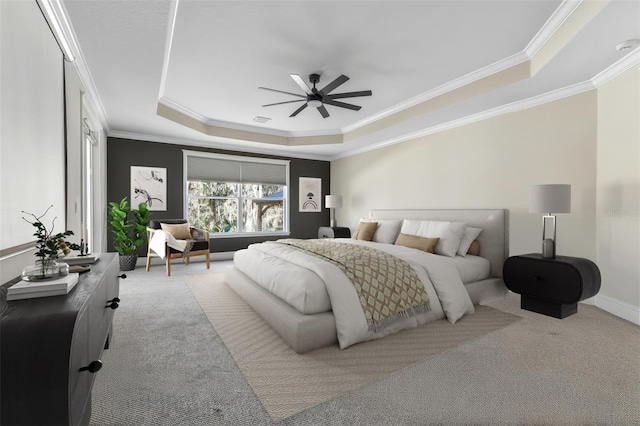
point(333, 223)
point(548, 248)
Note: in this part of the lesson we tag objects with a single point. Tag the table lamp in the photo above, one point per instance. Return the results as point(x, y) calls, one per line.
point(548, 199)
point(331, 202)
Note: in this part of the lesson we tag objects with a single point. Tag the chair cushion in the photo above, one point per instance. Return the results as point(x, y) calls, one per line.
point(179, 231)
point(197, 245)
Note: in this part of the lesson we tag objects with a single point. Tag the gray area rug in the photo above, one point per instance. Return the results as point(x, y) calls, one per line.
point(288, 383)
point(168, 366)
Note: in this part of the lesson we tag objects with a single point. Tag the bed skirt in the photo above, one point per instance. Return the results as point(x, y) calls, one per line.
point(303, 333)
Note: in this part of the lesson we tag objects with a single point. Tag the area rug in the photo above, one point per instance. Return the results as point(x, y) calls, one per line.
point(288, 383)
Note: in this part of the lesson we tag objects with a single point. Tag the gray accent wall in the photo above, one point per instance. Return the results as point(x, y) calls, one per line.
point(124, 153)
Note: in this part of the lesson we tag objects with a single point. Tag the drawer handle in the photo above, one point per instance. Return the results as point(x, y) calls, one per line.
point(123, 276)
point(113, 303)
point(93, 367)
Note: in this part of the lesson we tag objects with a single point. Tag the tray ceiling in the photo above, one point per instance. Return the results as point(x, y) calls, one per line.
point(189, 71)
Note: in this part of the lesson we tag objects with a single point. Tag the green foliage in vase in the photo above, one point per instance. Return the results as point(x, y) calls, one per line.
point(128, 232)
point(49, 246)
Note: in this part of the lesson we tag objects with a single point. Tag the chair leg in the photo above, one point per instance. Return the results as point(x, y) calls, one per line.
point(188, 259)
point(168, 265)
point(148, 261)
point(208, 257)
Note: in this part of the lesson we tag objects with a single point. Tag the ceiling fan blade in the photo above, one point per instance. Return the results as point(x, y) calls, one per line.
point(286, 102)
point(323, 111)
point(296, 112)
point(334, 84)
point(349, 94)
point(300, 82)
point(341, 104)
point(282, 91)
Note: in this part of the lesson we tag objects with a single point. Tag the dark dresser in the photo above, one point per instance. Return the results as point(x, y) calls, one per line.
point(551, 286)
point(50, 348)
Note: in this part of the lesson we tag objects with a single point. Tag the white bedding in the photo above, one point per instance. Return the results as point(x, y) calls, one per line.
point(471, 268)
point(299, 287)
point(442, 282)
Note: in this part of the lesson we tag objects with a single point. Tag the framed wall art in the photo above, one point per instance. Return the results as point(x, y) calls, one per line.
point(149, 185)
point(310, 194)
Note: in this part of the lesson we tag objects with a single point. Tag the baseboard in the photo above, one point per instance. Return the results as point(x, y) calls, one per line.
point(225, 255)
point(618, 308)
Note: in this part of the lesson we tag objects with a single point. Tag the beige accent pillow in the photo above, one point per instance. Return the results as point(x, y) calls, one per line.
point(365, 231)
point(179, 231)
point(416, 242)
point(474, 248)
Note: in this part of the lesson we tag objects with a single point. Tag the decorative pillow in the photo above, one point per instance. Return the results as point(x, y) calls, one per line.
point(420, 243)
point(470, 234)
point(365, 231)
point(450, 233)
point(179, 231)
point(474, 248)
point(387, 231)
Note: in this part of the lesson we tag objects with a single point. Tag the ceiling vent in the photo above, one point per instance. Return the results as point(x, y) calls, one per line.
point(259, 119)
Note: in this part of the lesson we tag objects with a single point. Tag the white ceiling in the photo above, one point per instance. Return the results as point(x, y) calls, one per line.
point(206, 59)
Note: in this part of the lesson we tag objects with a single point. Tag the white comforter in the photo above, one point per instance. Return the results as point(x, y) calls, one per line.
point(447, 294)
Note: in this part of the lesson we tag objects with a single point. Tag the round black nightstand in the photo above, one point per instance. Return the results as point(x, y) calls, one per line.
point(551, 286)
point(335, 232)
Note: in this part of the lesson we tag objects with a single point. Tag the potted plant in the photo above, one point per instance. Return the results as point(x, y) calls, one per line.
point(49, 247)
point(128, 232)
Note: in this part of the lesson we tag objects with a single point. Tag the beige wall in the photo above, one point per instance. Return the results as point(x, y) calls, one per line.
point(488, 164)
point(618, 199)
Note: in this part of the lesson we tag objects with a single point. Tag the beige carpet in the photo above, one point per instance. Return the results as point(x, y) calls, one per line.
point(287, 383)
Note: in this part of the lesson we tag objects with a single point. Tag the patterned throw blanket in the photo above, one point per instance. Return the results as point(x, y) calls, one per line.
point(388, 288)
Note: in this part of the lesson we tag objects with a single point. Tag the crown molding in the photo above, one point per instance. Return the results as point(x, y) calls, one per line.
point(242, 127)
point(173, 13)
point(469, 78)
point(623, 64)
point(214, 145)
point(555, 21)
point(463, 121)
point(91, 96)
point(58, 20)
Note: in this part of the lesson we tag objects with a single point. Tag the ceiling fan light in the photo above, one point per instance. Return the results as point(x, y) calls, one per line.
point(315, 103)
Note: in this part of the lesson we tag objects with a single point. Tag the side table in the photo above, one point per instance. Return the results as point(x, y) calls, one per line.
point(335, 232)
point(551, 286)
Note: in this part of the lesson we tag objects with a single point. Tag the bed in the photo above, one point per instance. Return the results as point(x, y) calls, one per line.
point(317, 313)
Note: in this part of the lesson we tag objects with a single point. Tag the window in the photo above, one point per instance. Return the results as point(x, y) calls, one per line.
point(87, 197)
point(230, 195)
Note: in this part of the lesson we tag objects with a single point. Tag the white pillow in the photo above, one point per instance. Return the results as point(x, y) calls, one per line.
point(470, 234)
point(388, 230)
point(450, 233)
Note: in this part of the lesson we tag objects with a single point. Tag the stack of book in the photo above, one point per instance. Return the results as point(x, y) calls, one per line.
point(32, 289)
point(79, 263)
point(79, 260)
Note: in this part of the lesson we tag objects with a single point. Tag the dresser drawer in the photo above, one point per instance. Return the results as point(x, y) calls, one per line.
point(562, 279)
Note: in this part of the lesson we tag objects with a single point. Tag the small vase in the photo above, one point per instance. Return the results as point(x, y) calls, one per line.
point(45, 270)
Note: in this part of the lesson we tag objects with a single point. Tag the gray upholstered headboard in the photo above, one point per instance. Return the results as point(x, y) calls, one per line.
point(494, 239)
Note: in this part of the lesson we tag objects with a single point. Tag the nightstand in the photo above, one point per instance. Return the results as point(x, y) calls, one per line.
point(335, 232)
point(551, 286)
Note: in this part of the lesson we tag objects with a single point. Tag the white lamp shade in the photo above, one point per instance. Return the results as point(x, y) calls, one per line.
point(554, 198)
point(332, 201)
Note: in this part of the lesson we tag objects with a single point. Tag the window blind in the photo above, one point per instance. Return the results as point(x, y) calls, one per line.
point(237, 171)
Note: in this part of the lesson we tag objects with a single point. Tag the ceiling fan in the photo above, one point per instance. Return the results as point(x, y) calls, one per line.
point(319, 98)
